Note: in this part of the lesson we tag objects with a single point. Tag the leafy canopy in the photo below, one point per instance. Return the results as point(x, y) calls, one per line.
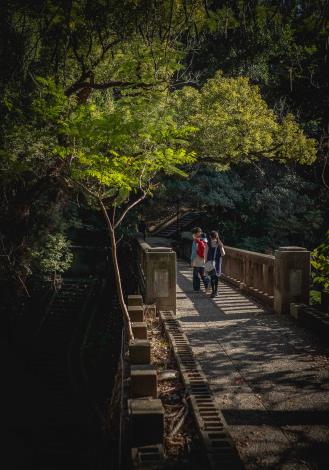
point(117, 146)
point(55, 256)
point(235, 124)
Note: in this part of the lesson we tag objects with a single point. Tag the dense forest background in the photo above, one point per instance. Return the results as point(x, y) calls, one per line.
point(280, 46)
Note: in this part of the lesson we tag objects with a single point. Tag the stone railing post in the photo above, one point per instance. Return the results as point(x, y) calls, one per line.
point(291, 277)
point(160, 278)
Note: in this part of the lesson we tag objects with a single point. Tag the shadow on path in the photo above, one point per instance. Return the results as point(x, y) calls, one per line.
point(270, 377)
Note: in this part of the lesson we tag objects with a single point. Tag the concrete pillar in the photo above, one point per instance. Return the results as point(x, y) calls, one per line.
point(291, 277)
point(136, 313)
point(151, 456)
point(143, 381)
point(139, 329)
point(135, 299)
point(160, 278)
point(295, 309)
point(146, 418)
point(139, 351)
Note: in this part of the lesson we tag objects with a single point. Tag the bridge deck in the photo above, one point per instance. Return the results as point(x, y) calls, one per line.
point(269, 376)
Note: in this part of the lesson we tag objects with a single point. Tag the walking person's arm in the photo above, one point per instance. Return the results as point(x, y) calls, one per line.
point(193, 252)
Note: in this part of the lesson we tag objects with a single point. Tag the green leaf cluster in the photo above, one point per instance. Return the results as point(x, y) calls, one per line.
point(55, 257)
point(320, 264)
point(236, 125)
point(116, 140)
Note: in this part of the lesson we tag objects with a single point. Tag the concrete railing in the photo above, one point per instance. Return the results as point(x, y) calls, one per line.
point(251, 271)
point(275, 280)
point(157, 273)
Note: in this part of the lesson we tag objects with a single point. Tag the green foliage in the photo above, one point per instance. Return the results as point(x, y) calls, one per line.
point(120, 146)
point(279, 45)
point(116, 148)
point(320, 264)
point(206, 188)
point(54, 126)
point(315, 297)
point(55, 256)
point(236, 125)
point(87, 96)
point(256, 207)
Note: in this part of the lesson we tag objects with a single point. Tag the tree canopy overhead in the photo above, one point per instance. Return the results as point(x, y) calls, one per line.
point(102, 96)
point(235, 124)
point(99, 95)
point(63, 63)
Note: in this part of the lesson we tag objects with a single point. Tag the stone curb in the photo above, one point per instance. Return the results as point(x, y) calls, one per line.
point(218, 444)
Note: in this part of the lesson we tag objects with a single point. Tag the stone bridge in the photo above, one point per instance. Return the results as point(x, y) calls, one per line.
point(268, 374)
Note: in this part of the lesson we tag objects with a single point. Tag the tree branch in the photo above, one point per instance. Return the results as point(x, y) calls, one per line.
point(133, 204)
point(85, 188)
point(104, 86)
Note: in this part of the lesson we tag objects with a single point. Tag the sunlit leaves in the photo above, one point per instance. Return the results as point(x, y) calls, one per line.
point(235, 124)
point(119, 147)
point(293, 143)
point(55, 256)
point(122, 145)
point(320, 264)
point(50, 101)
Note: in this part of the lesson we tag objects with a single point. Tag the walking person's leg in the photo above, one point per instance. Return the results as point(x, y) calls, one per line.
point(213, 284)
point(196, 279)
point(215, 279)
point(206, 280)
point(216, 285)
point(208, 283)
point(204, 277)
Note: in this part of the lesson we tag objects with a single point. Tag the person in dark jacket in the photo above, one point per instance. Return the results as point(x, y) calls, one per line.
point(214, 256)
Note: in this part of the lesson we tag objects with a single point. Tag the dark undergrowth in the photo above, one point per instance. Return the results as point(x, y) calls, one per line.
point(97, 342)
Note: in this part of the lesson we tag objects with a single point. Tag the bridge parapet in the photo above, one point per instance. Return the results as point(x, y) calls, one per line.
point(157, 269)
point(275, 280)
point(292, 277)
point(251, 271)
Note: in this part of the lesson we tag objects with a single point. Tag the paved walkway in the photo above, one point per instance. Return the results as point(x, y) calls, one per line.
point(269, 376)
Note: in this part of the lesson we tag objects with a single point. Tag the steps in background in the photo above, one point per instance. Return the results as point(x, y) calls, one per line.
point(184, 222)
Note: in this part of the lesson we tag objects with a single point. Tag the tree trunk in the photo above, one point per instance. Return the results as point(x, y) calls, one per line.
point(119, 285)
point(117, 276)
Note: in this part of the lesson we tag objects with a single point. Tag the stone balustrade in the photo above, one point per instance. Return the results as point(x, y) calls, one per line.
point(275, 280)
point(251, 271)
